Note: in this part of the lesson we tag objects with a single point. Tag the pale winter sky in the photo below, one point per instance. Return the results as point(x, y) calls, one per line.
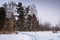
point(48, 10)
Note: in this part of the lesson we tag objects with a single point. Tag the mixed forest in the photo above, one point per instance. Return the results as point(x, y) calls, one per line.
point(17, 17)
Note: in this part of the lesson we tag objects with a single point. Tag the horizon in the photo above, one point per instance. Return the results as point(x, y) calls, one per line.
point(48, 10)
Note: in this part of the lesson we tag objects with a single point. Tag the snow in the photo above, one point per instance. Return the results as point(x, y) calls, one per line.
point(40, 35)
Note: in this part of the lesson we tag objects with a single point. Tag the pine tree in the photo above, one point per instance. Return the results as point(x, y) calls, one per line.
point(20, 11)
point(22, 18)
point(2, 17)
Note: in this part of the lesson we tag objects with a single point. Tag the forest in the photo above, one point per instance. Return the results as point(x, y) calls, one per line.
point(26, 20)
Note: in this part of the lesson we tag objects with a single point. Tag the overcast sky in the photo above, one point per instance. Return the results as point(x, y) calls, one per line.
point(48, 10)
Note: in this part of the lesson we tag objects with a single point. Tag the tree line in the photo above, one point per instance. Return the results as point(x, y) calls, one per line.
point(27, 18)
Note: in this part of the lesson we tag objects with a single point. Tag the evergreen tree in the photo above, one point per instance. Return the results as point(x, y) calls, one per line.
point(2, 16)
point(20, 11)
point(22, 18)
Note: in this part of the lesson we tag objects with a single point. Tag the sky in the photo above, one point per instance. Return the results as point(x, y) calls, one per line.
point(48, 10)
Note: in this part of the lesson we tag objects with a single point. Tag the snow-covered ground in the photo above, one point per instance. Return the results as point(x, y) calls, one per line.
point(42, 35)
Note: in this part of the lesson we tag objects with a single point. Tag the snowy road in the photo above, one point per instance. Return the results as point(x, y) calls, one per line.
point(45, 35)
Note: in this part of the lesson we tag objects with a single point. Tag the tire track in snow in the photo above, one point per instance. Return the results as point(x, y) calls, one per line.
point(36, 37)
point(32, 36)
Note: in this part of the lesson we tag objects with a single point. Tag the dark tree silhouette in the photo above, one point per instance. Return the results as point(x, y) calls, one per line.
point(2, 16)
